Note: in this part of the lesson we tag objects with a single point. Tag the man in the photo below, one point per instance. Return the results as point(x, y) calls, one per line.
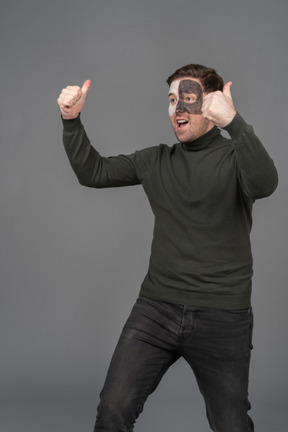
point(195, 299)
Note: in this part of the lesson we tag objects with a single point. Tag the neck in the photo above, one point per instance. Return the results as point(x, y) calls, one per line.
point(202, 141)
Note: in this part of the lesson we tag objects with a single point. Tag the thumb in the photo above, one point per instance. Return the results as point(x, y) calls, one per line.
point(226, 89)
point(85, 87)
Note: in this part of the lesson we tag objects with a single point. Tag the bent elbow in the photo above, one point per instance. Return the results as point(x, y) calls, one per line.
point(271, 186)
point(84, 181)
point(264, 188)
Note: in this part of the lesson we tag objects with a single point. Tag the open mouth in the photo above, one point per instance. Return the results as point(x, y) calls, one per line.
point(181, 123)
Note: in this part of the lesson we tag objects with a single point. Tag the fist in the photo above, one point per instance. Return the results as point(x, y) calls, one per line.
point(72, 99)
point(218, 106)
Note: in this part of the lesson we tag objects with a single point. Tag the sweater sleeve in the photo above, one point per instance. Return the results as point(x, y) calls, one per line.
point(256, 171)
point(94, 170)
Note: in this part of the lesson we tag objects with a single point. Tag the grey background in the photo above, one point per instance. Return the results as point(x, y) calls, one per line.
point(72, 259)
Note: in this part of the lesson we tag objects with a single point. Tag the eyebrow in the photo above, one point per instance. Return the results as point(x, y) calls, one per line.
point(187, 92)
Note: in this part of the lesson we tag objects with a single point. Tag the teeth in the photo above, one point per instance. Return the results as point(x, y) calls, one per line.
point(182, 121)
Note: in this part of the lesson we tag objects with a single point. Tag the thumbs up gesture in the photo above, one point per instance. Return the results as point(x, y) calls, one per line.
point(218, 106)
point(72, 99)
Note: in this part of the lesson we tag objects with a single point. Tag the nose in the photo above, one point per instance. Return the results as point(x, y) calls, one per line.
point(180, 107)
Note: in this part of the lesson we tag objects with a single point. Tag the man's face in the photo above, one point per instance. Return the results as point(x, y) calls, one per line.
point(185, 102)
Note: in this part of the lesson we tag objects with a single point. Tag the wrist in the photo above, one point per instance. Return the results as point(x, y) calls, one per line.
point(236, 126)
point(65, 117)
point(228, 120)
point(71, 123)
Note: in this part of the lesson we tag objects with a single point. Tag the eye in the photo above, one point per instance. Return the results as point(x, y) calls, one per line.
point(190, 99)
point(172, 100)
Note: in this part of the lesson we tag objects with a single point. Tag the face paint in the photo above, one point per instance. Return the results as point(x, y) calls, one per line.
point(187, 97)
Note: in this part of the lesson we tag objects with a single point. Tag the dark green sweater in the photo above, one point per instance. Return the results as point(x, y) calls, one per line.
point(201, 194)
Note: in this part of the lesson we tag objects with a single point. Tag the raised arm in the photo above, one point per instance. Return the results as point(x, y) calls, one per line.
point(92, 169)
point(256, 171)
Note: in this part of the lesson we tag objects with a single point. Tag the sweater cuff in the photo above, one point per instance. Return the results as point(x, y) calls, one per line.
point(237, 126)
point(71, 124)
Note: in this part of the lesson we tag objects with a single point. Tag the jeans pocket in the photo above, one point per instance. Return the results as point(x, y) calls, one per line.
point(239, 315)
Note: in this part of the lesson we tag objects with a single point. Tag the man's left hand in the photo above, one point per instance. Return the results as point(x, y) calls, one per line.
point(218, 106)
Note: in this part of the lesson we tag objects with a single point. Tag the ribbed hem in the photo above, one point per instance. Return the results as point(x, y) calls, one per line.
point(227, 301)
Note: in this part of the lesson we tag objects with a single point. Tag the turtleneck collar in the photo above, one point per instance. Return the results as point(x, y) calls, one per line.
point(201, 142)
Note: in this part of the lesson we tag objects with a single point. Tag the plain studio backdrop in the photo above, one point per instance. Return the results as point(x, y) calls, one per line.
point(73, 258)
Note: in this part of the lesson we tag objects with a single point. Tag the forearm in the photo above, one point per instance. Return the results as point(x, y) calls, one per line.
point(257, 173)
point(90, 167)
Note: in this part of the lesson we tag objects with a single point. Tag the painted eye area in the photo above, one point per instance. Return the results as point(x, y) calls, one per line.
point(190, 98)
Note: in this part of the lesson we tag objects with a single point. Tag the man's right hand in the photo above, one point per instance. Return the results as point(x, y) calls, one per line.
point(72, 99)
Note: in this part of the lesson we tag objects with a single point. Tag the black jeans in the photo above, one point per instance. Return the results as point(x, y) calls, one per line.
point(216, 344)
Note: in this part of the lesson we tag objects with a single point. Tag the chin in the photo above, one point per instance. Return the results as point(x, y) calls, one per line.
point(186, 138)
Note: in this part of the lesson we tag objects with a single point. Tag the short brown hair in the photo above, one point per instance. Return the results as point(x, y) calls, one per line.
point(208, 77)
